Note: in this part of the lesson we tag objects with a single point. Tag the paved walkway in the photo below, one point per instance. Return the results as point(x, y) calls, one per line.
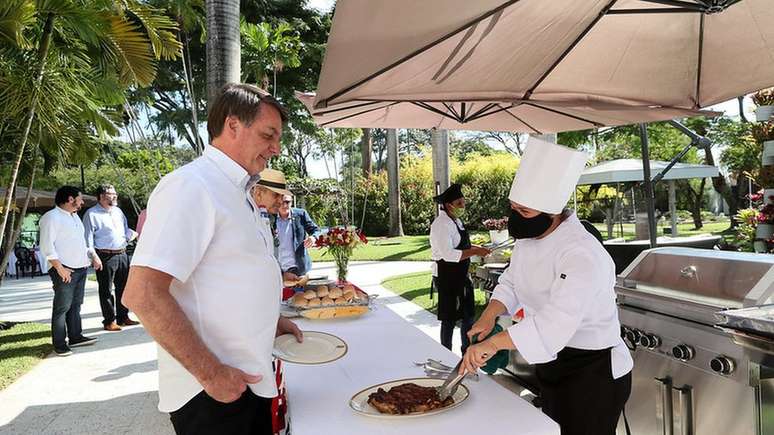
point(111, 387)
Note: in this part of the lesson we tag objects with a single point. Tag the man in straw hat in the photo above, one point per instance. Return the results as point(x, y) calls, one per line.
point(451, 250)
point(563, 279)
point(203, 278)
point(267, 194)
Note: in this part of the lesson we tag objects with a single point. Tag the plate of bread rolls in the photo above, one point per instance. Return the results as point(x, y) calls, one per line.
point(326, 302)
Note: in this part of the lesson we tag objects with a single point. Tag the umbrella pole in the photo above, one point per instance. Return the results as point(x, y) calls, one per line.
point(648, 184)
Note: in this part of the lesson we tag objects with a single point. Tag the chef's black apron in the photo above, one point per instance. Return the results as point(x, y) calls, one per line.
point(577, 390)
point(455, 290)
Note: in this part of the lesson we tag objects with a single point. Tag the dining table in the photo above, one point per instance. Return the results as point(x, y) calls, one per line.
point(382, 346)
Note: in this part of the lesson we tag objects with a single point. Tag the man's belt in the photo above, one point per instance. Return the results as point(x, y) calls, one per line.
point(110, 251)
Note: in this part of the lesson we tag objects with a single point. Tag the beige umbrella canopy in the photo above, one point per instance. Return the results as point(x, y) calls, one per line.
point(520, 62)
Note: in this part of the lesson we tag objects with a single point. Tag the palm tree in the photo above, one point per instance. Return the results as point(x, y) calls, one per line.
point(223, 53)
point(393, 177)
point(64, 105)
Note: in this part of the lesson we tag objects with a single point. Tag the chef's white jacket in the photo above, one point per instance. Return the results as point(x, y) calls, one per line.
point(444, 238)
point(564, 282)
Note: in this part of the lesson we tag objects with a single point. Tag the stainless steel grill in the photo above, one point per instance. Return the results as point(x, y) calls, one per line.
point(692, 375)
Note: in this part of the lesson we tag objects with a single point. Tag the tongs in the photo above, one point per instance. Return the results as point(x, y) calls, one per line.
point(500, 245)
point(451, 383)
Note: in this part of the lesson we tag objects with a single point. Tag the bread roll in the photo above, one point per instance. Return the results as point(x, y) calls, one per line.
point(310, 294)
point(322, 291)
point(326, 301)
point(314, 302)
point(349, 287)
point(348, 295)
point(335, 293)
point(299, 300)
point(340, 301)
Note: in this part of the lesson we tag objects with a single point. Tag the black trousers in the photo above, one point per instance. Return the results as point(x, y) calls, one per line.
point(115, 271)
point(203, 415)
point(578, 391)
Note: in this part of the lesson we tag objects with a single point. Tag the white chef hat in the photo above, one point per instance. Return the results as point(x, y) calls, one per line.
point(547, 176)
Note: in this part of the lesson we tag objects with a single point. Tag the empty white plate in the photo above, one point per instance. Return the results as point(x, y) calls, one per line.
point(317, 348)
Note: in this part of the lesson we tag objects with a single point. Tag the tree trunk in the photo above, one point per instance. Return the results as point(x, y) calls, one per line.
point(17, 228)
point(45, 43)
point(610, 221)
point(696, 204)
point(720, 186)
point(365, 149)
point(186, 58)
point(223, 51)
point(393, 180)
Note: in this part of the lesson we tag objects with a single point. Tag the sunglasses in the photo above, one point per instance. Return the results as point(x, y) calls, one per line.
point(286, 202)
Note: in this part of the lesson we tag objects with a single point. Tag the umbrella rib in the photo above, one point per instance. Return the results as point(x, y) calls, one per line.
point(566, 52)
point(421, 50)
point(482, 115)
point(356, 114)
point(450, 108)
point(522, 121)
point(558, 112)
point(433, 109)
point(697, 102)
point(481, 110)
point(356, 106)
point(678, 3)
point(653, 11)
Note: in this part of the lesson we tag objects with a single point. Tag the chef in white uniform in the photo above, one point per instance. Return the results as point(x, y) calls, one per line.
point(563, 279)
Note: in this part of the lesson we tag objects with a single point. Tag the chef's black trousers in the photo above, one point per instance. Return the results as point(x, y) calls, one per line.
point(577, 390)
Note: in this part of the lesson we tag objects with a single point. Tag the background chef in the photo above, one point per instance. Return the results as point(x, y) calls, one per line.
point(451, 250)
point(563, 279)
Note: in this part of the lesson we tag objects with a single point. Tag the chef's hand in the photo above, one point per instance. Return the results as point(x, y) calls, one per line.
point(309, 242)
point(226, 384)
point(482, 326)
point(286, 326)
point(482, 251)
point(476, 356)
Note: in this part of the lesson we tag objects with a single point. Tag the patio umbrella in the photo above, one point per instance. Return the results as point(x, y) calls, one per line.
point(441, 56)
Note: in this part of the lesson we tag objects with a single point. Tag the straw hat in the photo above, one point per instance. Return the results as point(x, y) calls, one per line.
point(274, 180)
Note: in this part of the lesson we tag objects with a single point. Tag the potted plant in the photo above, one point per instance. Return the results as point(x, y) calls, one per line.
point(764, 228)
point(498, 229)
point(339, 243)
point(764, 99)
point(764, 134)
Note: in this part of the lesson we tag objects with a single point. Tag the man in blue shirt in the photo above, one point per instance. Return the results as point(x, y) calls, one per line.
point(107, 233)
point(295, 230)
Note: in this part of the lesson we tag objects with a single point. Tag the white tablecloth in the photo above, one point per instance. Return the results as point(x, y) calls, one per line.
point(11, 270)
point(382, 347)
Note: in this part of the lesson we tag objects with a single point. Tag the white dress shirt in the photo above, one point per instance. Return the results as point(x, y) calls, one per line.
point(61, 238)
point(564, 282)
point(203, 229)
point(444, 238)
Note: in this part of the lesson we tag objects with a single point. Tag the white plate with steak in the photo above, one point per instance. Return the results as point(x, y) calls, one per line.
point(405, 398)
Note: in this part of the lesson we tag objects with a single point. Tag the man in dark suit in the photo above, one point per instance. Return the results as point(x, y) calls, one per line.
point(295, 231)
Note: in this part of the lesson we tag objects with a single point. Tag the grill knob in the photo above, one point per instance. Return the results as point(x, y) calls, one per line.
point(634, 335)
point(723, 365)
point(650, 341)
point(683, 352)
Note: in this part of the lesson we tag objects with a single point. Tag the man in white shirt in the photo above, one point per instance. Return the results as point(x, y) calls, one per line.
point(203, 278)
point(63, 245)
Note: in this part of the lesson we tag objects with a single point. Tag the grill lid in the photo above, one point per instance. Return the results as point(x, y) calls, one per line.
point(696, 281)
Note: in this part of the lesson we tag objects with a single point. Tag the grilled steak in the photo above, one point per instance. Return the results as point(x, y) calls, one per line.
point(406, 399)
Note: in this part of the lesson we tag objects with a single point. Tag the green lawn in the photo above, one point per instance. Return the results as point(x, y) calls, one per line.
point(408, 248)
point(21, 347)
point(685, 229)
point(415, 287)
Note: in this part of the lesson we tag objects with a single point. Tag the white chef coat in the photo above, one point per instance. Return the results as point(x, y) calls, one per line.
point(564, 282)
point(203, 229)
point(444, 237)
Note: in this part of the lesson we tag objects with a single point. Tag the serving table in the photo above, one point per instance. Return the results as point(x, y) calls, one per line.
point(382, 346)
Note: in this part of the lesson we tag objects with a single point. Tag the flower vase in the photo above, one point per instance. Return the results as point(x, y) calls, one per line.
point(341, 270)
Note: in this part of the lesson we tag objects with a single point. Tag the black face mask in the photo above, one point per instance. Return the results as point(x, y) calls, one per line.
point(520, 227)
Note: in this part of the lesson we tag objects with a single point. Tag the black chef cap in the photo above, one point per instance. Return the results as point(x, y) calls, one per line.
point(453, 192)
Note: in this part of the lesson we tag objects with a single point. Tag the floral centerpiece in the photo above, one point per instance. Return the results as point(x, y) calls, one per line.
point(339, 243)
point(498, 229)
